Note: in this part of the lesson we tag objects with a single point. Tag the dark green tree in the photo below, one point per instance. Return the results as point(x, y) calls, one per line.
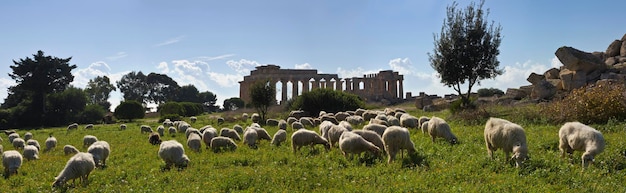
point(65, 107)
point(170, 108)
point(262, 95)
point(233, 103)
point(162, 88)
point(208, 100)
point(93, 113)
point(98, 91)
point(188, 93)
point(129, 110)
point(466, 49)
point(134, 87)
point(328, 100)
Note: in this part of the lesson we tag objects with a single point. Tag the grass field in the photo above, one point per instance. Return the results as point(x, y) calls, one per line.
point(134, 165)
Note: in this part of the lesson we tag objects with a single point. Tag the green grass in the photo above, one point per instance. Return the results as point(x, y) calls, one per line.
point(134, 165)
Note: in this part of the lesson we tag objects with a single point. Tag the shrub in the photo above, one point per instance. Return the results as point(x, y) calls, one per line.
point(327, 100)
point(93, 113)
point(191, 109)
point(169, 108)
point(129, 110)
point(589, 105)
point(171, 117)
point(457, 105)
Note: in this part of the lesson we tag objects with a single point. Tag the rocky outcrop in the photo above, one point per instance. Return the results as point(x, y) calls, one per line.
point(614, 48)
point(576, 60)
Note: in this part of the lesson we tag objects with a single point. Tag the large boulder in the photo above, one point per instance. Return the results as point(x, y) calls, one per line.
point(614, 48)
point(517, 94)
point(599, 55)
point(576, 60)
point(534, 78)
point(422, 101)
point(573, 79)
point(610, 61)
point(553, 73)
point(543, 90)
point(622, 51)
point(557, 83)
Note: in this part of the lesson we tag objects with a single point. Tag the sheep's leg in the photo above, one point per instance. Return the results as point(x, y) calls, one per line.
point(433, 138)
point(392, 156)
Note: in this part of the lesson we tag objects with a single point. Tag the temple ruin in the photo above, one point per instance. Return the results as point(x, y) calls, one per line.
point(383, 86)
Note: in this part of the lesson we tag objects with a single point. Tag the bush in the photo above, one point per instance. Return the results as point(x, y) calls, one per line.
point(326, 100)
point(171, 117)
point(170, 108)
point(594, 104)
point(457, 105)
point(129, 110)
point(192, 109)
point(93, 113)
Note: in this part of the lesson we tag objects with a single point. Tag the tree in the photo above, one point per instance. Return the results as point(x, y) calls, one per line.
point(37, 77)
point(188, 93)
point(328, 100)
point(98, 91)
point(233, 103)
point(208, 100)
point(134, 87)
point(466, 50)
point(263, 95)
point(65, 107)
point(129, 110)
point(162, 88)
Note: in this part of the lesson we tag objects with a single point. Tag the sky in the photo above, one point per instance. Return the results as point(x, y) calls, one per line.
point(213, 44)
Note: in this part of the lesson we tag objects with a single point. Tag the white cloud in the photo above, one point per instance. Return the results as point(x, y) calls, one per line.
point(226, 80)
point(82, 76)
point(357, 72)
point(303, 66)
point(117, 56)
point(242, 66)
point(556, 63)
point(163, 67)
point(5, 83)
point(170, 41)
point(402, 66)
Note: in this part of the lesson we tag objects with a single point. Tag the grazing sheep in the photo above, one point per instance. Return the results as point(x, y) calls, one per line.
point(154, 138)
point(183, 126)
point(437, 127)
point(271, 122)
point(297, 125)
point(13, 136)
point(369, 115)
point(346, 125)
point(88, 126)
point(161, 130)
point(378, 121)
point(359, 112)
point(282, 124)
point(510, 137)
point(263, 134)
point(355, 120)
point(31, 152)
point(79, 166)
point(230, 133)
point(69, 149)
point(19, 143)
point(245, 116)
point(290, 120)
point(255, 125)
point(341, 116)
point(173, 153)
point(317, 121)
point(304, 137)
point(575, 136)
point(422, 120)
point(379, 129)
point(100, 151)
point(11, 160)
point(223, 143)
point(194, 142)
point(329, 118)
point(279, 137)
point(396, 139)
point(191, 130)
point(250, 138)
point(34, 143)
point(352, 143)
point(334, 133)
point(255, 117)
point(122, 127)
point(307, 121)
point(1, 149)
point(220, 120)
point(208, 135)
point(51, 143)
point(381, 117)
point(238, 128)
point(9, 132)
point(146, 129)
point(28, 135)
point(409, 121)
point(172, 131)
point(168, 123)
point(73, 126)
point(324, 127)
point(424, 127)
point(88, 140)
point(193, 119)
point(372, 137)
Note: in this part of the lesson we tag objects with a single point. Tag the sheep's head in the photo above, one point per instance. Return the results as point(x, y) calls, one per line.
point(520, 154)
point(58, 182)
point(587, 159)
point(453, 140)
point(183, 162)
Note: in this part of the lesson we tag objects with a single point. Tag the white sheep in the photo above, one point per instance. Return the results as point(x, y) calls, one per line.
point(122, 126)
point(13, 136)
point(33, 142)
point(161, 130)
point(220, 120)
point(422, 119)
point(263, 134)
point(172, 130)
point(255, 117)
point(69, 149)
point(392, 121)
point(72, 126)
point(324, 127)
point(238, 128)
point(31, 152)
point(193, 119)
point(424, 127)
point(208, 135)
point(307, 121)
point(223, 143)
point(146, 129)
point(89, 126)
point(194, 142)
point(396, 139)
point(255, 125)
point(51, 143)
point(369, 115)
point(183, 126)
point(508, 136)
point(379, 129)
point(19, 143)
point(379, 122)
point(154, 138)
point(437, 127)
point(12, 161)
point(250, 137)
point(245, 116)
point(304, 137)
point(191, 130)
point(279, 137)
point(168, 123)
point(359, 111)
point(352, 143)
point(346, 125)
point(88, 140)
point(341, 116)
point(28, 135)
point(334, 133)
point(226, 132)
point(355, 119)
point(575, 136)
point(297, 125)
point(290, 120)
point(409, 121)
point(78, 166)
point(100, 151)
point(330, 118)
point(173, 153)
point(271, 122)
point(282, 124)
point(372, 137)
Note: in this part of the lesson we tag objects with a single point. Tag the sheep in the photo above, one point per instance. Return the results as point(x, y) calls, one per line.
point(191, 130)
point(279, 137)
point(122, 127)
point(297, 125)
point(78, 166)
point(9, 132)
point(307, 121)
point(437, 127)
point(154, 138)
point(161, 130)
point(88, 126)
point(424, 127)
point(381, 117)
point(304, 137)
point(329, 118)
point(11, 160)
point(172, 131)
point(28, 135)
point(194, 142)
point(223, 143)
point(324, 127)
point(88, 140)
point(271, 122)
point(173, 153)
point(34, 143)
point(146, 129)
point(193, 119)
point(245, 116)
point(51, 143)
point(369, 114)
point(183, 126)
point(250, 138)
point(220, 120)
point(72, 126)
point(290, 120)
point(334, 133)
point(379, 129)
point(19, 143)
point(13, 136)
point(510, 137)
point(263, 134)
point(1, 149)
point(372, 137)
point(352, 143)
point(422, 119)
point(207, 135)
point(341, 116)
point(346, 125)
point(100, 151)
point(378, 121)
point(238, 128)
point(575, 136)
point(359, 112)
point(396, 139)
point(226, 132)
point(31, 152)
point(69, 149)
point(255, 125)
point(317, 121)
point(408, 121)
point(282, 124)
point(255, 117)
point(355, 119)
point(168, 123)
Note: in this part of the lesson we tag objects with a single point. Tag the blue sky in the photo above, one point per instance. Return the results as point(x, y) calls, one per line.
point(213, 44)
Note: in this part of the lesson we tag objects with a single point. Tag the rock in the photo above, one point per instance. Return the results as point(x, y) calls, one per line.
point(573, 79)
point(610, 61)
point(576, 60)
point(612, 76)
point(594, 76)
point(422, 101)
point(623, 38)
point(543, 90)
point(517, 94)
point(534, 78)
point(553, 73)
point(621, 59)
point(599, 55)
point(557, 83)
point(614, 48)
point(622, 51)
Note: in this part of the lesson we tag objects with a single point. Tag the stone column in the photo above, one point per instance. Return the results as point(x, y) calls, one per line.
point(316, 84)
point(284, 97)
point(401, 88)
point(339, 85)
point(294, 89)
point(305, 85)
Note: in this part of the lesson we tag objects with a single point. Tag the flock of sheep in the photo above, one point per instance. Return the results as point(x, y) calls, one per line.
point(386, 131)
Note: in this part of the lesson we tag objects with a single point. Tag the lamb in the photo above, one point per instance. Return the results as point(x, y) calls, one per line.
point(279, 137)
point(31, 152)
point(13, 136)
point(575, 136)
point(72, 126)
point(173, 153)
point(223, 143)
point(238, 128)
point(208, 135)
point(372, 137)
point(282, 124)
point(510, 137)
point(250, 138)
point(19, 143)
point(193, 119)
point(255, 118)
point(334, 133)
point(324, 127)
point(51, 143)
point(271, 122)
point(194, 141)
point(28, 135)
point(11, 160)
point(297, 125)
point(396, 139)
point(161, 130)
point(100, 151)
point(379, 129)
point(122, 127)
point(409, 121)
point(352, 143)
point(172, 131)
point(78, 166)
point(226, 132)
point(146, 129)
point(33, 143)
point(69, 149)
point(88, 126)
point(304, 137)
point(154, 138)
point(422, 119)
point(88, 140)
point(437, 127)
